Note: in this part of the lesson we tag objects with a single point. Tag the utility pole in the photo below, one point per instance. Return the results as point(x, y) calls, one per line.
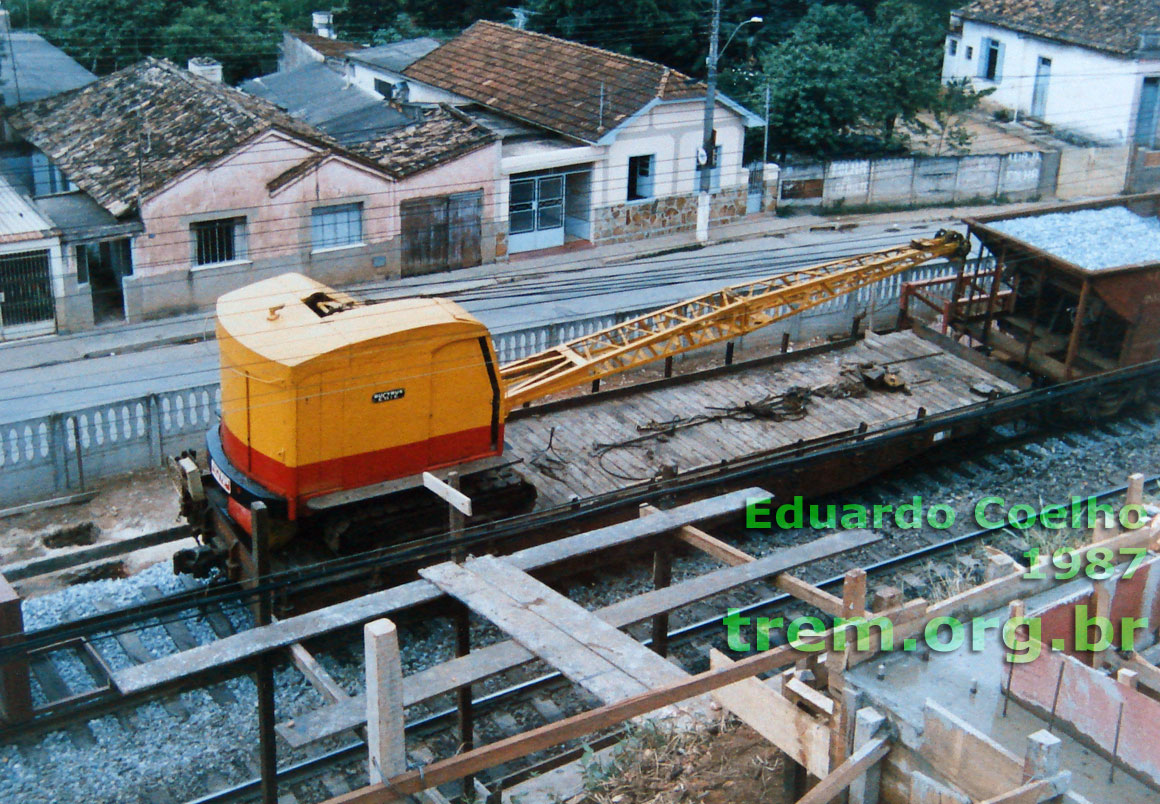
point(710, 98)
point(708, 139)
point(765, 139)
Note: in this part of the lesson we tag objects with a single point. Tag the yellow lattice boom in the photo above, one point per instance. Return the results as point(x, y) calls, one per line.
point(718, 316)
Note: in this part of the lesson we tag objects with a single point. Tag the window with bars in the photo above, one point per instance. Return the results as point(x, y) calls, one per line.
point(335, 226)
point(219, 240)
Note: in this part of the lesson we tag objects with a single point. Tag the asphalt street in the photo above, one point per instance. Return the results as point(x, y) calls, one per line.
point(505, 300)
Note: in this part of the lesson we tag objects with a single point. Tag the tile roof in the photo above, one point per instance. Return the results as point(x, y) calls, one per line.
point(329, 48)
point(573, 89)
point(1110, 25)
point(127, 134)
point(440, 135)
point(396, 56)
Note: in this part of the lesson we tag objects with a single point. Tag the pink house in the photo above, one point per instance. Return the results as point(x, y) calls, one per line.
point(177, 188)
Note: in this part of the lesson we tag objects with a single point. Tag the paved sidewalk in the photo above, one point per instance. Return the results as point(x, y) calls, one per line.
point(126, 338)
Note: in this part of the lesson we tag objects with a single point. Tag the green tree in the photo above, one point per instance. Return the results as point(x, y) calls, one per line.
point(244, 37)
point(817, 86)
point(357, 20)
point(901, 54)
point(672, 32)
point(105, 35)
point(949, 112)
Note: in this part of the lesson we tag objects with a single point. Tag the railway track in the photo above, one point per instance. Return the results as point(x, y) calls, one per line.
point(518, 700)
point(852, 450)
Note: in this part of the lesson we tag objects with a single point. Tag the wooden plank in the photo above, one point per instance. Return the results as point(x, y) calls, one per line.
point(964, 756)
point(43, 566)
point(805, 738)
point(808, 593)
point(599, 636)
point(321, 680)
point(810, 696)
point(583, 647)
point(536, 633)
point(1033, 792)
point(450, 495)
point(710, 545)
point(68, 499)
point(845, 774)
point(236, 649)
point(573, 728)
point(713, 546)
point(497, 658)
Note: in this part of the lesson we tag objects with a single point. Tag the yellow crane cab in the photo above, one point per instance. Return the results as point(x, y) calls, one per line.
point(322, 394)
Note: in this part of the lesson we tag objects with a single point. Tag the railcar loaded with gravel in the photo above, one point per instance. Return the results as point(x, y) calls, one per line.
point(1085, 285)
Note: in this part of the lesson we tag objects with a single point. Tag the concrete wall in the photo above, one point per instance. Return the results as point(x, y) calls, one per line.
point(1092, 172)
point(914, 180)
point(278, 222)
point(363, 76)
point(1089, 93)
point(296, 53)
point(1089, 702)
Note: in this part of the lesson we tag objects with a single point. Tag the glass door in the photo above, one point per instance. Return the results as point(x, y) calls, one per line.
point(536, 213)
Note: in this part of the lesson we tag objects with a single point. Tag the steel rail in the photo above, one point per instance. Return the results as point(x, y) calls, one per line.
point(785, 459)
point(678, 636)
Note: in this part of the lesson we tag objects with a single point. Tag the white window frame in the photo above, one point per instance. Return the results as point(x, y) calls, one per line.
point(986, 46)
point(338, 217)
point(641, 184)
point(240, 238)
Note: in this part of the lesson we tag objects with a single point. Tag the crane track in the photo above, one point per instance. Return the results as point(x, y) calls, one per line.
point(535, 700)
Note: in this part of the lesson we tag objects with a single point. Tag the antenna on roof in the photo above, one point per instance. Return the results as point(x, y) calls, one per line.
point(600, 118)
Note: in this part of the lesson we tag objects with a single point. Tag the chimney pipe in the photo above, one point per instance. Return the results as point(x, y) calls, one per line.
point(323, 22)
point(207, 68)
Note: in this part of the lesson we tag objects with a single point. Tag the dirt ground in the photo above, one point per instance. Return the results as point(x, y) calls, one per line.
point(725, 763)
point(987, 137)
point(124, 506)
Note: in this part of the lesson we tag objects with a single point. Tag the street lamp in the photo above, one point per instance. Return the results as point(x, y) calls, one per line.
point(705, 158)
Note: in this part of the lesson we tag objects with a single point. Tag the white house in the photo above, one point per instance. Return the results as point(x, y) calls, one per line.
point(1089, 67)
point(32, 283)
point(596, 146)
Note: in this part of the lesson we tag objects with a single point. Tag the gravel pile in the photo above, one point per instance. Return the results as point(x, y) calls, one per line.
point(147, 749)
point(1095, 239)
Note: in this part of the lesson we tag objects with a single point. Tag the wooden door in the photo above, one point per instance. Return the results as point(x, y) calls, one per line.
point(464, 216)
point(441, 233)
point(424, 228)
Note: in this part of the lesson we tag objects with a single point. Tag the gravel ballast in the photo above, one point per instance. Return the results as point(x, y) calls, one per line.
point(1095, 239)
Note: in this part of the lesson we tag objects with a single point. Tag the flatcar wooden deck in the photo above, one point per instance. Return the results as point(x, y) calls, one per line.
point(577, 466)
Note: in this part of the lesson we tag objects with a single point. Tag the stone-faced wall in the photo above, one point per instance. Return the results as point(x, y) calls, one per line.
point(662, 216)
